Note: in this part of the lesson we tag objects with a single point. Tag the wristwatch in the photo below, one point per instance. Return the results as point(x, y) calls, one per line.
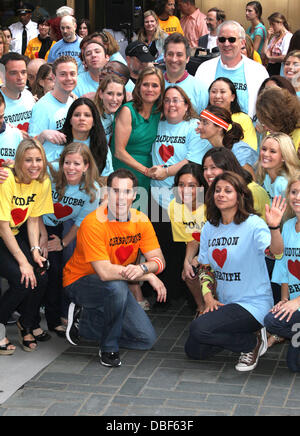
point(144, 268)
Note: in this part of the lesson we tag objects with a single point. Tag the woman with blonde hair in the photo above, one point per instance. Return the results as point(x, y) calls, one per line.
point(75, 193)
point(135, 126)
point(25, 195)
point(152, 35)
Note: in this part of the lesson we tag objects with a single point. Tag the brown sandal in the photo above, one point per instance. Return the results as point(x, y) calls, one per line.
point(5, 351)
point(275, 339)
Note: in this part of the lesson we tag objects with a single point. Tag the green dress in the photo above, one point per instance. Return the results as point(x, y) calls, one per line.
point(140, 142)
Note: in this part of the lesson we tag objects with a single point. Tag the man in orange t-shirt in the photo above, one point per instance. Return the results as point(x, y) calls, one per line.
point(97, 275)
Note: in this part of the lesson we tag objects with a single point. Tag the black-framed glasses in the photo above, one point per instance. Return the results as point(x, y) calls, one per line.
point(231, 39)
point(109, 70)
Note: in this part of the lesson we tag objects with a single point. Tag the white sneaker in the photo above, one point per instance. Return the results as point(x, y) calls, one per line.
point(249, 361)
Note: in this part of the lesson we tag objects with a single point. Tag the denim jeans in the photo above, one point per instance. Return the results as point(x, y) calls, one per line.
point(231, 327)
point(283, 329)
point(110, 314)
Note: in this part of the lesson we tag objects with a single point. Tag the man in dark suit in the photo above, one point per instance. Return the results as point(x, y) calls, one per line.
point(214, 18)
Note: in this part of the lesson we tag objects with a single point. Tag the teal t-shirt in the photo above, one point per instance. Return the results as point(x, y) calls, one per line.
point(195, 90)
point(236, 252)
point(85, 84)
point(278, 187)
point(259, 30)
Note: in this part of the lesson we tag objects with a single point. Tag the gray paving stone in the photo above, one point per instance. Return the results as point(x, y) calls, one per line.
point(64, 409)
point(243, 410)
point(133, 386)
point(167, 394)
point(275, 396)
point(221, 388)
point(165, 378)
point(95, 405)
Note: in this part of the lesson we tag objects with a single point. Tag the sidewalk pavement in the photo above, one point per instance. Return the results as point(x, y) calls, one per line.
point(160, 382)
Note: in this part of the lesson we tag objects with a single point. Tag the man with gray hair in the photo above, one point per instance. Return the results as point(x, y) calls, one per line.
point(246, 74)
point(70, 44)
point(64, 10)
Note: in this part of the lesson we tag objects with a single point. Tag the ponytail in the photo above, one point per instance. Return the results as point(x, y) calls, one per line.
point(235, 134)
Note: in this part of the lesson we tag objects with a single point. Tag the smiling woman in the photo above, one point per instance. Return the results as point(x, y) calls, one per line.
point(24, 196)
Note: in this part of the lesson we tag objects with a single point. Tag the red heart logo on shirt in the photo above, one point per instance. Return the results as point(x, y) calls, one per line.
point(220, 256)
point(123, 253)
point(23, 127)
point(18, 215)
point(1, 162)
point(294, 268)
point(166, 152)
point(61, 211)
point(196, 236)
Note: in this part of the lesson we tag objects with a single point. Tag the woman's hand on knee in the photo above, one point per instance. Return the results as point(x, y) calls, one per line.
point(28, 276)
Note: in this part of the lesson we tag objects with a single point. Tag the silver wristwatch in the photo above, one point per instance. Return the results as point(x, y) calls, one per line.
point(144, 268)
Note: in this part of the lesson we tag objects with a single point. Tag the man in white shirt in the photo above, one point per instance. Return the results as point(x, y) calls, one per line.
point(246, 74)
point(214, 18)
point(19, 102)
point(24, 30)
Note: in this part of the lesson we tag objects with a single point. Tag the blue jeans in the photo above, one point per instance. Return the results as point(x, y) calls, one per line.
point(111, 315)
point(231, 327)
point(284, 329)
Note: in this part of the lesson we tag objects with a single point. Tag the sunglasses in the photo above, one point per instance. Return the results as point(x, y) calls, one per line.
point(231, 39)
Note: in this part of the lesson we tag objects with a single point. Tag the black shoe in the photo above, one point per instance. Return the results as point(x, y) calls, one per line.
point(110, 359)
point(72, 333)
point(59, 333)
point(43, 337)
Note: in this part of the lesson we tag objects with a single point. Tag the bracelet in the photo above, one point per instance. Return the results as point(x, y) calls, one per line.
point(159, 263)
point(167, 168)
point(62, 244)
point(35, 248)
point(274, 228)
point(146, 171)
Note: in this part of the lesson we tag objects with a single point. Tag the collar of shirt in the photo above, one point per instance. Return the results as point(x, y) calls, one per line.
point(185, 75)
point(232, 68)
point(111, 216)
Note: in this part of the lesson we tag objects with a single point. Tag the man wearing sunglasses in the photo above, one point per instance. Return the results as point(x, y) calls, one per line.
point(246, 74)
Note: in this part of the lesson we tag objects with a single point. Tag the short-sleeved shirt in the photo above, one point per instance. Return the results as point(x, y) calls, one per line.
point(85, 84)
point(48, 113)
point(62, 48)
point(173, 143)
point(9, 142)
point(236, 252)
point(195, 89)
point(278, 187)
point(19, 201)
point(171, 25)
point(259, 30)
point(186, 224)
point(18, 112)
point(99, 239)
point(74, 205)
point(249, 131)
point(244, 153)
point(287, 269)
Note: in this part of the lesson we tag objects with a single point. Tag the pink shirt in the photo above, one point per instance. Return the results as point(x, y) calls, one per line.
point(194, 26)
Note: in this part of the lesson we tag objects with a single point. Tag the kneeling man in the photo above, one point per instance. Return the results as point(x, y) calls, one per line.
point(97, 275)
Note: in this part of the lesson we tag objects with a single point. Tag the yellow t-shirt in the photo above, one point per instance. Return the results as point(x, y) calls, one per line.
point(171, 25)
point(295, 135)
point(18, 201)
point(186, 224)
point(101, 239)
point(245, 121)
point(260, 198)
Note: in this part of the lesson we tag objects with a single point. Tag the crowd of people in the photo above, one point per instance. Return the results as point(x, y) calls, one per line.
point(127, 182)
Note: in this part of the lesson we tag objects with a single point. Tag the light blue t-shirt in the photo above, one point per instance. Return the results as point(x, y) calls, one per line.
point(9, 142)
point(18, 112)
point(173, 143)
point(117, 57)
point(287, 269)
point(48, 113)
point(107, 123)
point(85, 84)
point(196, 91)
point(244, 153)
point(62, 48)
point(278, 187)
point(237, 76)
point(236, 252)
point(75, 205)
point(53, 152)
